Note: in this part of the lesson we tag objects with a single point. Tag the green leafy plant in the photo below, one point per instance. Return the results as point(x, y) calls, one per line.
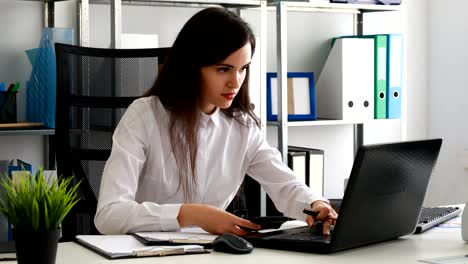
point(35, 204)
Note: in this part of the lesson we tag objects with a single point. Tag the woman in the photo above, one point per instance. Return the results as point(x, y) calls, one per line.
point(180, 153)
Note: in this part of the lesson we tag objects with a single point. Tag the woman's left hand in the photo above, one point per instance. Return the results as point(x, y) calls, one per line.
point(326, 215)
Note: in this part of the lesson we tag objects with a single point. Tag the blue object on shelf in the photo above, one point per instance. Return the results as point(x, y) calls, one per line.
point(42, 85)
point(394, 75)
point(302, 103)
point(32, 55)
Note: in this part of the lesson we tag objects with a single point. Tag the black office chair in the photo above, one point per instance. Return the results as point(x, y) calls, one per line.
point(94, 88)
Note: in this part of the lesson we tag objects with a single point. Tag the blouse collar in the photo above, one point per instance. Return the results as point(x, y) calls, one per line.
point(213, 118)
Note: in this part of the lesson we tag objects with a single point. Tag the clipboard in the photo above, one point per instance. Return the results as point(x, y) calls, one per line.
point(127, 246)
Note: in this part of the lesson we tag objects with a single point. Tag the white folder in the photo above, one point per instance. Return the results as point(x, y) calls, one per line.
point(345, 87)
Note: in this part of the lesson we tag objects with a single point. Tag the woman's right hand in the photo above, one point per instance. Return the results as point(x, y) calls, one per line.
point(213, 220)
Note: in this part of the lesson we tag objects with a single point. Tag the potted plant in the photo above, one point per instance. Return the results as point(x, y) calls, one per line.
point(35, 208)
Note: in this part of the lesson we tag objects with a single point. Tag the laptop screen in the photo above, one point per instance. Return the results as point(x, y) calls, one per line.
point(385, 192)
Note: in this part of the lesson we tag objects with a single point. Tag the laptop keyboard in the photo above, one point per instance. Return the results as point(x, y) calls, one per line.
point(432, 216)
point(302, 236)
point(298, 234)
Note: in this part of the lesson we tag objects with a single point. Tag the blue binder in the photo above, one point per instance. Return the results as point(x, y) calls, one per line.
point(394, 75)
point(19, 166)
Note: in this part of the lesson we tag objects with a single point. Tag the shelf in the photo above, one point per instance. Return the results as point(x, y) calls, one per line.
point(323, 122)
point(182, 3)
point(327, 7)
point(328, 122)
point(185, 3)
point(46, 1)
point(27, 132)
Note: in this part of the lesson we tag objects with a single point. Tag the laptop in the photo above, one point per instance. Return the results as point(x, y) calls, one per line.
point(382, 201)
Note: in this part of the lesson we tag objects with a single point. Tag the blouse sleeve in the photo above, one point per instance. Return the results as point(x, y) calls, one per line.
point(117, 211)
point(289, 195)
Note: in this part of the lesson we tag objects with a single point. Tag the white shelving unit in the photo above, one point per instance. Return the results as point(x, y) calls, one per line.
point(282, 8)
point(116, 12)
point(116, 25)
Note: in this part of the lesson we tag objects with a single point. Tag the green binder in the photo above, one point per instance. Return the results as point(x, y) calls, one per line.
point(380, 76)
point(380, 73)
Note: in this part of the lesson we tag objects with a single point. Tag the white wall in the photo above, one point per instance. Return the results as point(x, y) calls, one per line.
point(20, 27)
point(417, 68)
point(448, 97)
point(20, 30)
point(436, 75)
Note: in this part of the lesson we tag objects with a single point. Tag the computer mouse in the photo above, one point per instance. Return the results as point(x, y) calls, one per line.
point(233, 244)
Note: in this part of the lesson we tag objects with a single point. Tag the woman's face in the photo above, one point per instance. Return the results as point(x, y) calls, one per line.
point(222, 81)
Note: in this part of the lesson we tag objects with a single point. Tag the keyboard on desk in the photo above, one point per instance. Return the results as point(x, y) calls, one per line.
point(432, 216)
point(298, 234)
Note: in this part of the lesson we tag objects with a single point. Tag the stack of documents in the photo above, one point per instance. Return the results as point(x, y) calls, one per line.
point(175, 238)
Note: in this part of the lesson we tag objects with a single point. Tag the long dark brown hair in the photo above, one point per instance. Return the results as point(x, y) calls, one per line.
point(209, 37)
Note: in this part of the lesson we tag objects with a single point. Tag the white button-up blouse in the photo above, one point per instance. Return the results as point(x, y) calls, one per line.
point(139, 188)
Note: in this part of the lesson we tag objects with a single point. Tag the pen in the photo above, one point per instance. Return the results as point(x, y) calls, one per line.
point(314, 214)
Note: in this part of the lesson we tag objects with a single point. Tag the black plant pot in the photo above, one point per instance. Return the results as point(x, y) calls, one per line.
point(38, 247)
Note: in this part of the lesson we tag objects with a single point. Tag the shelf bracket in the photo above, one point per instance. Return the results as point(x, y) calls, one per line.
point(83, 21)
point(116, 24)
point(282, 66)
point(49, 14)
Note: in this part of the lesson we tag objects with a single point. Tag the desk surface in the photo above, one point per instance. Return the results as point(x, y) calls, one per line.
point(437, 242)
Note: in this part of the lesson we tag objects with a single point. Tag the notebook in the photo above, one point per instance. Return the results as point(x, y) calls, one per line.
point(382, 201)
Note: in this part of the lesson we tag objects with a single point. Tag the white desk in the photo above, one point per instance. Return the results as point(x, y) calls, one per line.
point(437, 242)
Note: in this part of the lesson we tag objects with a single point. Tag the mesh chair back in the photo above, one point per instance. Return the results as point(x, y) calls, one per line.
point(94, 88)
